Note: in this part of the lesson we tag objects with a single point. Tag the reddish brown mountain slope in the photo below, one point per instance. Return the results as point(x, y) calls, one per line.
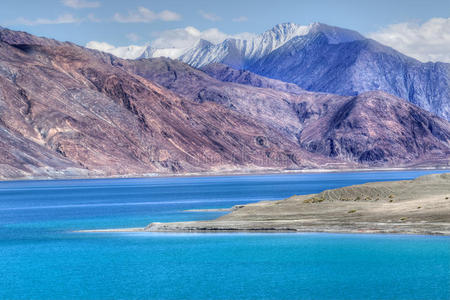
point(373, 129)
point(83, 110)
point(69, 111)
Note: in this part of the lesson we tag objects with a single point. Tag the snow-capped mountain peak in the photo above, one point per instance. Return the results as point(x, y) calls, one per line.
point(335, 35)
point(236, 52)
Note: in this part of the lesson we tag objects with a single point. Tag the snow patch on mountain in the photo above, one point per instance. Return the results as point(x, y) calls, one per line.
point(199, 48)
point(235, 52)
point(239, 53)
point(170, 43)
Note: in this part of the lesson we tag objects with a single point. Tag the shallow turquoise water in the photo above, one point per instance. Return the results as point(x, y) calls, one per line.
point(40, 258)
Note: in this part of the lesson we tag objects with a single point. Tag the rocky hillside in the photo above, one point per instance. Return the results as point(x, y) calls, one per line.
point(324, 58)
point(70, 111)
point(373, 128)
point(225, 73)
point(315, 64)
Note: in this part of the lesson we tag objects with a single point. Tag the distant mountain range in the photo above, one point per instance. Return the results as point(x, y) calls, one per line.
point(241, 54)
point(70, 111)
point(324, 58)
point(328, 59)
point(373, 128)
point(352, 67)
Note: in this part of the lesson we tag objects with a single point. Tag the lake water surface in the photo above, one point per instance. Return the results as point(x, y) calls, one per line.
point(42, 258)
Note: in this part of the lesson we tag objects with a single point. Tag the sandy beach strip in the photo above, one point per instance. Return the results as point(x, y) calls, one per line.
point(419, 206)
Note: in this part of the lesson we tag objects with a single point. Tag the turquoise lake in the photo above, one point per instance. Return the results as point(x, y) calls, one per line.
point(42, 258)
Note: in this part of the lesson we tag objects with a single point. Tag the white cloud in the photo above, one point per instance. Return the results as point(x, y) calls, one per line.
point(240, 19)
point(144, 15)
point(429, 41)
point(209, 16)
point(169, 43)
point(101, 46)
point(187, 37)
point(80, 3)
point(167, 15)
point(93, 18)
point(63, 19)
point(133, 37)
point(128, 52)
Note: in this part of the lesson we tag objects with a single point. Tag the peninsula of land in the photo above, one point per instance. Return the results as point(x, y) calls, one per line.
point(419, 206)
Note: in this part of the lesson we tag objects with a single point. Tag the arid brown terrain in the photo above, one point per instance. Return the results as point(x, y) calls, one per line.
point(67, 111)
point(372, 129)
point(419, 206)
point(89, 115)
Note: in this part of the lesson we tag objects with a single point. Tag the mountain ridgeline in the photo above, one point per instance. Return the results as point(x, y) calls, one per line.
point(323, 58)
point(373, 128)
point(68, 111)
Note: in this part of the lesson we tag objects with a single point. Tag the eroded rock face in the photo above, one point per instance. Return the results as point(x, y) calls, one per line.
point(69, 111)
point(374, 128)
point(84, 110)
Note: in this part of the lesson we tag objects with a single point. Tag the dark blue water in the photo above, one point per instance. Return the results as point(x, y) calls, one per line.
point(40, 258)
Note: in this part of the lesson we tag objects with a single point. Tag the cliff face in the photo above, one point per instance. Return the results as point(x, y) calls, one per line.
point(70, 111)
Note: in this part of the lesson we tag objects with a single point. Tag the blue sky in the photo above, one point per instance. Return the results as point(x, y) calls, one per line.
point(124, 22)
